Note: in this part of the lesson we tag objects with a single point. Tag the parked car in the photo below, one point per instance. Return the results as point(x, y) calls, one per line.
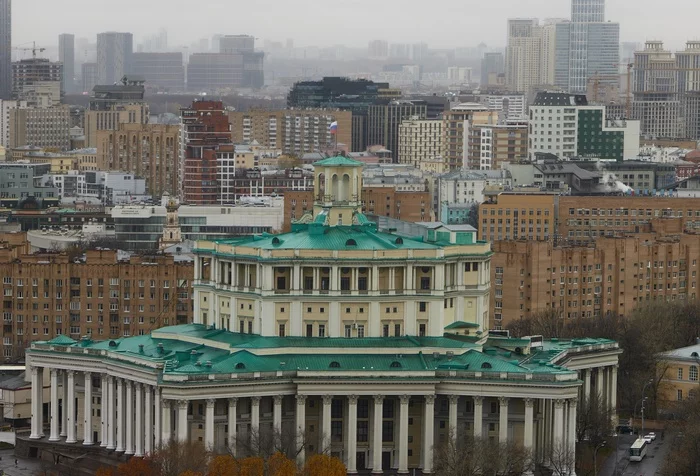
point(648, 439)
point(624, 430)
point(652, 435)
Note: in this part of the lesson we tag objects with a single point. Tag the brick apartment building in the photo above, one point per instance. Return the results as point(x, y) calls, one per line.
point(578, 219)
point(46, 295)
point(611, 275)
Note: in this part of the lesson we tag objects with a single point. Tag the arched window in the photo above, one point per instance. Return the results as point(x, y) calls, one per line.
point(399, 241)
point(240, 366)
point(694, 354)
point(276, 241)
point(351, 242)
point(486, 365)
point(395, 365)
point(334, 365)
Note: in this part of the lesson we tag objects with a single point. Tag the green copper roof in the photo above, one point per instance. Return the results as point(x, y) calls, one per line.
point(338, 161)
point(333, 238)
point(62, 340)
point(462, 325)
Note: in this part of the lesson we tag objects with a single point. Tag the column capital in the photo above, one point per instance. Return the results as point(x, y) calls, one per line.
point(478, 400)
point(378, 399)
point(529, 402)
point(453, 399)
point(70, 373)
point(278, 399)
point(54, 372)
point(559, 403)
point(503, 401)
point(104, 375)
point(573, 401)
point(211, 402)
point(301, 399)
point(182, 404)
point(352, 399)
point(88, 375)
point(327, 399)
point(404, 399)
point(34, 370)
point(233, 401)
point(430, 399)
point(165, 403)
point(255, 400)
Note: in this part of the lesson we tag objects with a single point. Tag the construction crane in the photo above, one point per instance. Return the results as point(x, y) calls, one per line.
point(33, 49)
point(628, 100)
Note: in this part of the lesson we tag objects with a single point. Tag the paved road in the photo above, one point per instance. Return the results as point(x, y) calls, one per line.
point(650, 466)
point(23, 468)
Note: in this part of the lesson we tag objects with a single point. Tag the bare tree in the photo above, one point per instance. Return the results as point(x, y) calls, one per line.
point(561, 458)
point(594, 420)
point(468, 456)
point(176, 457)
point(264, 444)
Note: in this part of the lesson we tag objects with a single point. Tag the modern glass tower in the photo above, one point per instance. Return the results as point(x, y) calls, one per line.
point(6, 49)
point(587, 47)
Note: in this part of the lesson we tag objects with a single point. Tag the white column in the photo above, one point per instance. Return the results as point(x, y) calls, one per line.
point(586, 375)
point(326, 432)
point(148, 423)
point(111, 417)
point(104, 410)
point(599, 385)
point(139, 426)
point(129, 418)
point(157, 418)
point(70, 438)
point(87, 410)
point(182, 430)
point(428, 433)
point(571, 439)
point(503, 420)
point(613, 391)
point(255, 415)
point(478, 417)
point(64, 404)
point(528, 436)
point(209, 424)
point(454, 399)
point(166, 430)
point(558, 424)
point(54, 436)
point(36, 413)
point(232, 435)
point(351, 462)
point(277, 417)
point(301, 429)
point(403, 434)
point(120, 415)
point(377, 442)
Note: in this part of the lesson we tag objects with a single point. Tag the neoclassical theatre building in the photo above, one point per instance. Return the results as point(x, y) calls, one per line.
point(371, 346)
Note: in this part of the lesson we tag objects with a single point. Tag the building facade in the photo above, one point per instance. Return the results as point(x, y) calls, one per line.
point(162, 71)
point(43, 127)
point(66, 56)
point(28, 72)
point(678, 374)
point(491, 146)
point(114, 56)
point(530, 54)
point(612, 276)
point(383, 121)
point(295, 132)
point(419, 140)
point(151, 151)
point(455, 131)
point(6, 51)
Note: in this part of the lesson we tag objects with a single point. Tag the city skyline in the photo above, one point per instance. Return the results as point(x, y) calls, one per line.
point(488, 25)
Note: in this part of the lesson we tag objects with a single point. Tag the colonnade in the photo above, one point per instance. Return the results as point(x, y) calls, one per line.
point(135, 418)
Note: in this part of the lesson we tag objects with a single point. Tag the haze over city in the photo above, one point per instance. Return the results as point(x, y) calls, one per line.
point(441, 23)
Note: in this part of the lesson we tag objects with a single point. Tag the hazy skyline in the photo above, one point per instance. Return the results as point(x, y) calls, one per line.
point(440, 23)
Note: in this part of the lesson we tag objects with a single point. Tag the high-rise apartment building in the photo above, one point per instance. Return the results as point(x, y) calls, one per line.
point(114, 56)
point(565, 125)
point(206, 133)
point(666, 90)
point(492, 145)
point(150, 151)
point(162, 71)
point(383, 122)
point(587, 47)
point(66, 55)
point(6, 50)
point(88, 77)
point(378, 49)
point(419, 140)
point(253, 75)
point(293, 131)
point(115, 104)
point(530, 54)
point(455, 129)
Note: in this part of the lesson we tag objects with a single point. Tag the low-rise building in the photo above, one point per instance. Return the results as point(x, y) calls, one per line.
point(678, 374)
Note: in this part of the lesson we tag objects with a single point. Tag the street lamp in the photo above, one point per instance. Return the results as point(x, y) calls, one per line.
point(595, 457)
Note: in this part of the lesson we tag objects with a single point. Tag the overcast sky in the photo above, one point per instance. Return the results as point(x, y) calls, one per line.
point(440, 23)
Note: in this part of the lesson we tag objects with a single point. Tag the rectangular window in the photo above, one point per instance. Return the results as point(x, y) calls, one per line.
point(282, 330)
point(680, 373)
point(321, 330)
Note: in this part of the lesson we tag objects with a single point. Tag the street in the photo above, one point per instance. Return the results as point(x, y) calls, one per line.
point(23, 468)
point(650, 466)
